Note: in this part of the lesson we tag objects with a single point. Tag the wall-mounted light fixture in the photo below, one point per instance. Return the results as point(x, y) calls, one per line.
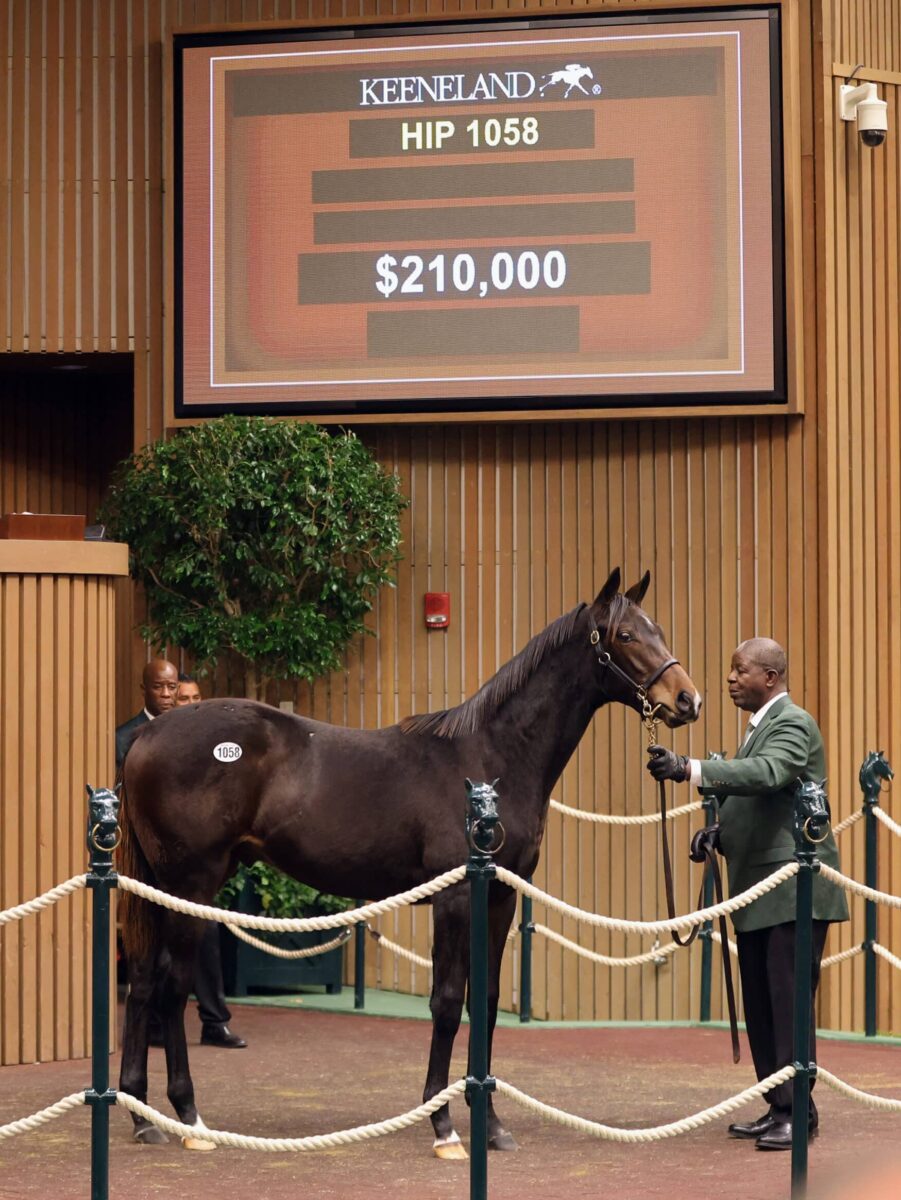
point(862, 104)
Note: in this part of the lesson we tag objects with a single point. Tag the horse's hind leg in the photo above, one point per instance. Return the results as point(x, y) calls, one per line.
point(133, 1071)
point(183, 935)
point(500, 916)
point(450, 967)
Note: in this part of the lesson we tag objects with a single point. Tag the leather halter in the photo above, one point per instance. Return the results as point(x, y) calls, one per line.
point(639, 690)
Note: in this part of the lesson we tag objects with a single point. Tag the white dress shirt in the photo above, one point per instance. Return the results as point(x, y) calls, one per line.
point(753, 721)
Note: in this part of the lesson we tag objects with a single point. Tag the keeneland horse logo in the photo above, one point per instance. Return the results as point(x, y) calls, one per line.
point(572, 75)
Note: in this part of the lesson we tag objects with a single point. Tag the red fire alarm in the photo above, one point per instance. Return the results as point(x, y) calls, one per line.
point(437, 610)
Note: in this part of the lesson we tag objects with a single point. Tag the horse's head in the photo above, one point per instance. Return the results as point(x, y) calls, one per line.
point(634, 658)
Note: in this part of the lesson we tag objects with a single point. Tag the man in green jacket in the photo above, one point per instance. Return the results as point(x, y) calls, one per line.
point(782, 744)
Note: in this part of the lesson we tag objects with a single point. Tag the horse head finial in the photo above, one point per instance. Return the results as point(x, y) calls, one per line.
point(875, 770)
point(811, 813)
point(482, 821)
point(103, 819)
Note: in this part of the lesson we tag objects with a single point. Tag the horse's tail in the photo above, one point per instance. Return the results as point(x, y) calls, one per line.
point(140, 920)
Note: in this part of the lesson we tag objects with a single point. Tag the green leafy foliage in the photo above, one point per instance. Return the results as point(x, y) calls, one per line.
point(264, 538)
point(278, 895)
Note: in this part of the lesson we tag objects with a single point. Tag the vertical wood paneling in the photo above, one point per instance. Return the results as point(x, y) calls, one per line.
point(782, 526)
point(56, 732)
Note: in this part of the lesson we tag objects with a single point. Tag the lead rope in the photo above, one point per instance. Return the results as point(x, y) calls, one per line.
point(651, 721)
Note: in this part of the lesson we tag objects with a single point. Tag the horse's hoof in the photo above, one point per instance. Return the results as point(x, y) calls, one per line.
point(449, 1148)
point(197, 1143)
point(502, 1141)
point(149, 1135)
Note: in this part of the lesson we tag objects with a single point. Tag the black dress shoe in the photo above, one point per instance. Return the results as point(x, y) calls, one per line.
point(221, 1035)
point(753, 1129)
point(779, 1136)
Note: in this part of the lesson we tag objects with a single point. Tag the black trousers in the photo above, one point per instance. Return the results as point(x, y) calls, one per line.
point(766, 961)
point(208, 986)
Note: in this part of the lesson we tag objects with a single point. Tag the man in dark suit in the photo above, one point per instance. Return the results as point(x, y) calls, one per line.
point(782, 744)
point(159, 687)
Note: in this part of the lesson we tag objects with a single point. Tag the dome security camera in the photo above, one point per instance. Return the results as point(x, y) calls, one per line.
point(861, 104)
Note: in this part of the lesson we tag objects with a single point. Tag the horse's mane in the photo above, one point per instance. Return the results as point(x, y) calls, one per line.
point(472, 714)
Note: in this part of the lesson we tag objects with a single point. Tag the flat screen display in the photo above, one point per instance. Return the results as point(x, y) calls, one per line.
point(552, 214)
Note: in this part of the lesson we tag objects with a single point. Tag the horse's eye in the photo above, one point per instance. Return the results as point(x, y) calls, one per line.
point(623, 636)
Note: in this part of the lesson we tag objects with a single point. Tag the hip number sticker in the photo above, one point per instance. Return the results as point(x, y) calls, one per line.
point(227, 752)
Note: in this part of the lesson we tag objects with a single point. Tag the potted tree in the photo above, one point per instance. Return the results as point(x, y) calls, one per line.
point(263, 890)
point(265, 541)
point(262, 539)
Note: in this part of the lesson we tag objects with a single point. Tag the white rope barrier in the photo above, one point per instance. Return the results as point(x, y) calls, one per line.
point(854, 1093)
point(609, 819)
point(677, 923)
point(657, 954)
point(887, 955)
point(859, 889)
point(30, 907)
point(280, 951)
point(881, 815)
point(26, 1124)
point(733, 946)
point(401, 951)
point(293, 924)
point(847, 823)
point(852, 952)
point(656, 1133)
point(325, 1141)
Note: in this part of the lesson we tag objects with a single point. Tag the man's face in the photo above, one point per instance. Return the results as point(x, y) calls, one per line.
point(750, 684)
point(188, 693)
point(160, 687)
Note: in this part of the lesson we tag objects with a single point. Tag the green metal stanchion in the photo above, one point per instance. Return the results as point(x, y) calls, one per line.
point(360, 962)
point(485, 835)
point(103, 838)
point(874, 769)
point(811, 825)
point(527, 930)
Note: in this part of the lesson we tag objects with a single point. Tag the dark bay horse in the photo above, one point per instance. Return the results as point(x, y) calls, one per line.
point(368, 813)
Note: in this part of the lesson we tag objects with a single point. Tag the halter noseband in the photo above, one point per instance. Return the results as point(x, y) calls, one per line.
point(640, 690)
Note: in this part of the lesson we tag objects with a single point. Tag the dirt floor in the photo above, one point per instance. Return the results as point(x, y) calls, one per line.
point(311, 1072)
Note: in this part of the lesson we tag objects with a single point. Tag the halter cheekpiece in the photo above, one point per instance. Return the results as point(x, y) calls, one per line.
point(606, 663)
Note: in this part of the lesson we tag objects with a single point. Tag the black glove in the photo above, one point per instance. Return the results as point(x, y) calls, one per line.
point(666, 764)
point(709, 836)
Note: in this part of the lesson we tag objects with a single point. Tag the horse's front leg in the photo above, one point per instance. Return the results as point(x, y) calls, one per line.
point(500, 915)
point(450, 968)
point(133, 1070)
point(184, 936)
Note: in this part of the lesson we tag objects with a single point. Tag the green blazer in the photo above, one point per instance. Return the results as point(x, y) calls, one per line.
point(756, 793)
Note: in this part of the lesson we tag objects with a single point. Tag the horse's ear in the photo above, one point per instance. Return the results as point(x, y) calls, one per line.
point(495, 782)
point(637, 593)
point(89, 790)
point(609, 590)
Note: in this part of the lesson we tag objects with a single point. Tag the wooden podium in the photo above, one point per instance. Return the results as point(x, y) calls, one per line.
point(57, 720)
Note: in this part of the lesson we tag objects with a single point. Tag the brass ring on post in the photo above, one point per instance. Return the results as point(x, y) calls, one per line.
point(885, 784)
point(814, 840)
point(105, 849)
point(499, 827)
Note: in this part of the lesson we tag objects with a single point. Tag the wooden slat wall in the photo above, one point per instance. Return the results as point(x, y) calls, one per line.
point(859, 334)
point(750, 525)
point(57, 630)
